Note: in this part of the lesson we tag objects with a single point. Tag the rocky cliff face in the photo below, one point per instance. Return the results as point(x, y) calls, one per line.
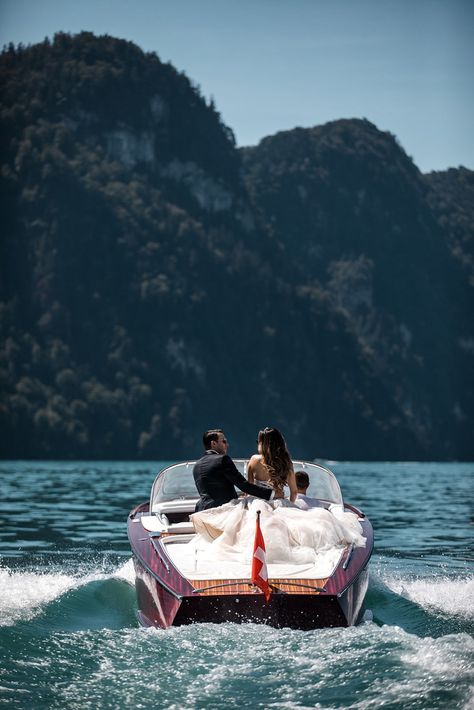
point(359, 215)
point(156, 281)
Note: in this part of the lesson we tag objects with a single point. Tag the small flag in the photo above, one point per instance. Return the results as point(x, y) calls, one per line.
point(259, 564)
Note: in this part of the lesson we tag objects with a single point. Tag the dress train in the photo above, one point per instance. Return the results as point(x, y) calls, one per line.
point(292, 535)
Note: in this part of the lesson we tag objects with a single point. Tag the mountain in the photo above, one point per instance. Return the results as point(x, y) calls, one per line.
point(365, 224)
point(157, 281)
point(452, 201)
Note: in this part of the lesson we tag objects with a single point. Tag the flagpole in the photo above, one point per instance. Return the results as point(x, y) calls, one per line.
point(259, 574)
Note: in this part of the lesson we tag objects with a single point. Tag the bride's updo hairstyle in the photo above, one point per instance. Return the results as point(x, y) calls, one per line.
point(276, 457)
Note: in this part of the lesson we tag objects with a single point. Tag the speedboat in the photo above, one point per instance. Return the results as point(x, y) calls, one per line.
point(177, 584)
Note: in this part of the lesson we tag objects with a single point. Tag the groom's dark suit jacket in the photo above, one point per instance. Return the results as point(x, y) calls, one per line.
point(216, 475)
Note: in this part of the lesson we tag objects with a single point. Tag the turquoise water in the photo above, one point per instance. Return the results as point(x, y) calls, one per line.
point(69, 636)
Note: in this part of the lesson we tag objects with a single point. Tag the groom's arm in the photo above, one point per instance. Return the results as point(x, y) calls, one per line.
point(233, 474)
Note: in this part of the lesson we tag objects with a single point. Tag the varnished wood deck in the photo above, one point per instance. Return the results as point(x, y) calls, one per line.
point(212, 587)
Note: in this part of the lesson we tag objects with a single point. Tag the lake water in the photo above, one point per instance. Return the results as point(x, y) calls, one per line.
point(69, 636)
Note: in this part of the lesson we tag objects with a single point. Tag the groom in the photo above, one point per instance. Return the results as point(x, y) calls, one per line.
point(215, 474)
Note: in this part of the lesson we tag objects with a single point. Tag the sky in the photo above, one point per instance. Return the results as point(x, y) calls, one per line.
point(271, 65)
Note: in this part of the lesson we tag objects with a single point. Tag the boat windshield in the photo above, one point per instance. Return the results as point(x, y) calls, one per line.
point(177, 482)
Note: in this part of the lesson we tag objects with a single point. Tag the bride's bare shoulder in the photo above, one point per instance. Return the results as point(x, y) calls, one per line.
point(255, 460)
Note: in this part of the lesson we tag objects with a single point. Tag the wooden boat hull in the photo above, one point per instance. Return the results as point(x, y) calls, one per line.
point(157, 607)
point(166, 598)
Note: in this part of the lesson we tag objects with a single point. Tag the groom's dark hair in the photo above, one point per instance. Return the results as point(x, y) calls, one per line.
point(210, 435)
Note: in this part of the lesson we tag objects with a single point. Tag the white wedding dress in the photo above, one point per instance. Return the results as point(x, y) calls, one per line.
point(298, 542)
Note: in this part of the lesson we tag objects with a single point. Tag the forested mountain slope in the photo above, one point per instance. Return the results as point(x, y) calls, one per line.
point(369, 227)
point(155, 280)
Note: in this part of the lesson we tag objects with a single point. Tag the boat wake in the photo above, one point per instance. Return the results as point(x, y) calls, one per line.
point(101, 597)
point(453, 597)
point(24, 595)
point(422, 606)
point(91, 616)
point(393, 668)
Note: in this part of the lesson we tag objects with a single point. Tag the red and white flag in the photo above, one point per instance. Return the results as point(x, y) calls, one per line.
point(259, 564)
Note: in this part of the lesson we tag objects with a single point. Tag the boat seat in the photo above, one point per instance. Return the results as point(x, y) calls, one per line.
point(177, 511)
point(152, 523)
point(180, 528)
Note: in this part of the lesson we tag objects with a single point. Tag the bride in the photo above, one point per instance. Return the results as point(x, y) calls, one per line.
point(272, 466)
point(292, 535)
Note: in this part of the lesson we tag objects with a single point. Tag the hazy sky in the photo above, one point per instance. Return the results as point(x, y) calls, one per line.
point(271, 65)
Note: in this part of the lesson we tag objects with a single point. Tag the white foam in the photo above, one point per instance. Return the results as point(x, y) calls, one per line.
point(126, 572)
point(368, 616)
point(23, 594)
point(450, 596)
point(426, 666)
